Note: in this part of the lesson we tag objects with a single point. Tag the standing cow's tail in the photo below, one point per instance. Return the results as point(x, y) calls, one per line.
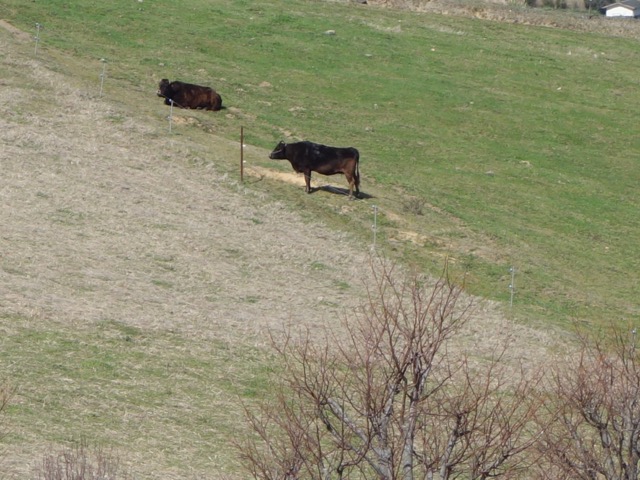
point(357, 172)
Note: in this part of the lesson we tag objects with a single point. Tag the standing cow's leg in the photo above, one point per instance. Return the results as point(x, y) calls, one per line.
point(352, 182)
point(353, 177)
point(307, 181)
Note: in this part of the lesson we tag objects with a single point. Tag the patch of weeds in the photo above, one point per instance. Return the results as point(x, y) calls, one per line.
point(66, 216)
point(455, 233)
point(14, 271)
point(251, 299)
point(165, 262)
point(245, 271)
point(102, 367)
point(164, 226)
point(164, 258)
point(233, 252)
point(414, 206)
point(467, 262)
point(127, 332)
point(318, 266)
point(162, 283)
point(328, 303)
point(283, 19)
point(151, 61)
point(117, 119)
point(341, 285)
point(255, 386)
point(214, 293)
point(79, 462)
point(86, 288)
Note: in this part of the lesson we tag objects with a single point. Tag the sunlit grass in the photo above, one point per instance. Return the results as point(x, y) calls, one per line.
point(518, 138)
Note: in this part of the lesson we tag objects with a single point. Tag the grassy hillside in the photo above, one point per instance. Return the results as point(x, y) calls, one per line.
point(514, 141)
point(138, 280)
point(137, 277)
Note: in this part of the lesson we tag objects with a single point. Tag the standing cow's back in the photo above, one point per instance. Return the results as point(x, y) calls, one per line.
point(306, 157)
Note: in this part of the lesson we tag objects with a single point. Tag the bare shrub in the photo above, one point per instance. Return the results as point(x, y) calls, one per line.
point(414, 206)
point(6, 392)
point(385, 397)
point(593, 422)
point(79, 463)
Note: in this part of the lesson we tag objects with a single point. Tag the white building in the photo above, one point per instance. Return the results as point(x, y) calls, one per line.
point(626, 8)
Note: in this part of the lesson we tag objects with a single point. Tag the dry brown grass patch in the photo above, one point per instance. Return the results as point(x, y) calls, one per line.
point(110, 223)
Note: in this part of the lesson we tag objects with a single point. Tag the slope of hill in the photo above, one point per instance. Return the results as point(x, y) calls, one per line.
point(492, 143)
point(138, 282)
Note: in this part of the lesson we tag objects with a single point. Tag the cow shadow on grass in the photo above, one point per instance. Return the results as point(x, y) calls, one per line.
point(341, 191)
point(325, 188)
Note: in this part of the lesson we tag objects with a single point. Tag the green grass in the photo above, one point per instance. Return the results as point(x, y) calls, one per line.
point(495, 144)
point(121, 386)
point(519, 138)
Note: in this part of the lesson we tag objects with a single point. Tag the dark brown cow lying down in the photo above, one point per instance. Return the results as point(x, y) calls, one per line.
point(307, 157)
point(187, 95)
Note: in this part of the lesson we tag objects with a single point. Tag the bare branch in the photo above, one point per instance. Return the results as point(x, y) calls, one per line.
point(384, 398)
point(596, 432)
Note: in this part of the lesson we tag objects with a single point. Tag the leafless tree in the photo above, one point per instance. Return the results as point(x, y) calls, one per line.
point(79, 462)
point(481, 426)
point(594, 405)
point(6, 392)
point(383, 396)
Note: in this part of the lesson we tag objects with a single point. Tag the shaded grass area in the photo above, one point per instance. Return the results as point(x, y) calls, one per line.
point(160, 399)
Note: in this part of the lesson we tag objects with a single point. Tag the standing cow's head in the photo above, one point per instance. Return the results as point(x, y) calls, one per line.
point(279, 152)
point(163, 88)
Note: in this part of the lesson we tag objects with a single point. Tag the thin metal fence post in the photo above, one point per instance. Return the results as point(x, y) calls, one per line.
point(37, 37)
point(512, 285)
point(241, 154)
point(103, 74)
point(170, 114)
point(374, 227)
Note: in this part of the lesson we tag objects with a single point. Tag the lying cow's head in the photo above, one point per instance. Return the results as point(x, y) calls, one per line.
point(279, 152)
point(163, 88)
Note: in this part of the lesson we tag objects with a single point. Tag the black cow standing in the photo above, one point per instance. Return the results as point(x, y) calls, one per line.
point(188, 95)
point(307, 157)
